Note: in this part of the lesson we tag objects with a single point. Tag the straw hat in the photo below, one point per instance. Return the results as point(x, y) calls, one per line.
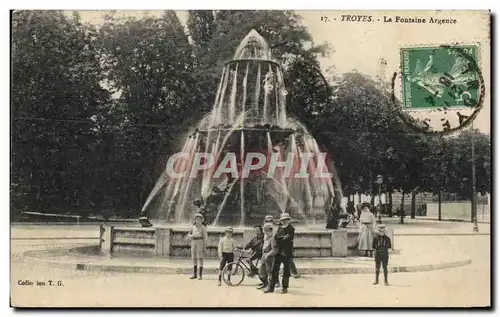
point(268, 226)
point(284, 216)
point(229, 229)
point(198, 215)
point(366, 204)
point(381, 227)
point(268, 218)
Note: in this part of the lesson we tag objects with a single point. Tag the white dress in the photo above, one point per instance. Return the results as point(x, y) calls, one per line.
point(367, 223)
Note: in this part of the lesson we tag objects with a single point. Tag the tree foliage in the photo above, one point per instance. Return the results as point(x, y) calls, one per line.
point(56, 92)
point(149, 63)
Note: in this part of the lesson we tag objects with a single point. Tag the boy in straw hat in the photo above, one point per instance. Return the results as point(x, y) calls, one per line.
point(269, 250)
point(269, 219)
point(381, 244)
point(199, 237)
point(225, 250)
point(284, 239)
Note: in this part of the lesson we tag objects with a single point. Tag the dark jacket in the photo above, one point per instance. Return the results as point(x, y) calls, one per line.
point(284, 238)
point(256, 245)
point(382, 244)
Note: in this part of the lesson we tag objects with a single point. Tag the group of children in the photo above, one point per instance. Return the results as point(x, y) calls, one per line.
point(273, 249)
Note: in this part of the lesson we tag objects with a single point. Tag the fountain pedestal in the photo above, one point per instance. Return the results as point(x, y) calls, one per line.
point(172, 242)
point(106, 240)
point(247, 149)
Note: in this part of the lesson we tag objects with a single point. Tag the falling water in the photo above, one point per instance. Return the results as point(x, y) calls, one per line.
point(311, 169)
point(183, 166)
point(268, 87)
point(207, 174)
point(159, 185)
point(257, 91)
point(180, 166)
point(266, 101)
point(213, 121)
point(245, 79)
point(163, 178)
point(187, 182)
point(269, 143)
point(278, 100)
point(216, 106)
point(308, 196)
point(317, 152)
point(222, 99)
point(282, 100)
point(229, 128)
point(232, 105)
point(295, 155)
point(221, 207)
point(242, 181)
point(283, 194)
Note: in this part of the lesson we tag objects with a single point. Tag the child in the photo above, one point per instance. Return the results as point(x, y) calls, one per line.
point(269, 250)
point(381, 244)
point(199, 238)
point(255, 245)
point(225, 250)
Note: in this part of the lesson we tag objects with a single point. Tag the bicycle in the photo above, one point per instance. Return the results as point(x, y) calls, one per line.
point(233, 273)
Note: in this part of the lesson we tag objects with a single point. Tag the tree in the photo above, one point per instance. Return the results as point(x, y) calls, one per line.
point(460, 158)
point(73, 148)
point(201, 27)
point(56, 93)
point(362, 130)
point(436, 168)
point(149, 63)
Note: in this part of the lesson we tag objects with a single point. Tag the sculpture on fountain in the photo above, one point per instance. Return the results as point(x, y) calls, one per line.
point(247, 158)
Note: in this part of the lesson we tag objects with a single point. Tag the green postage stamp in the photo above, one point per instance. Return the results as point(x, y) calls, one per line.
point(440, 77)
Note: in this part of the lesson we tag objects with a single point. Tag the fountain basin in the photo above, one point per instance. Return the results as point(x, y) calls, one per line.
point(172, 241)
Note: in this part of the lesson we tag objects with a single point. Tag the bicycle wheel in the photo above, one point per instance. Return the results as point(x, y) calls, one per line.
point(233, 274)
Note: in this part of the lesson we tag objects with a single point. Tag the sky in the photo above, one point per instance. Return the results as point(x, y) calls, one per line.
point(361, 45)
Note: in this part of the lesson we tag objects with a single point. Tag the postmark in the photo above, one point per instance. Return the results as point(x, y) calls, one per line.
point(442, 88)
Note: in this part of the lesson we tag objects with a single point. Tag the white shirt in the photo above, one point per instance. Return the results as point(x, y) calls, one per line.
point(366, 217)
point(199, 232)
point(226, 245)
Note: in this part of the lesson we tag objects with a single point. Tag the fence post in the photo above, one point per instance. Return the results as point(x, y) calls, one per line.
point(101, 235)
point(107, 239)
point(339, 242)
point(111, 238)
point(162, 241)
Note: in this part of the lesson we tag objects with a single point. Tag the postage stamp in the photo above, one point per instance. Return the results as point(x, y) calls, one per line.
point(440, 77)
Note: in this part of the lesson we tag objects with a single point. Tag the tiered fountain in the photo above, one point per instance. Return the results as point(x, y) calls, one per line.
point(248, 116)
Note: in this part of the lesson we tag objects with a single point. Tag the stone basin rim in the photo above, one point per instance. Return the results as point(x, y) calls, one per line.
point(182, 228)
point(86, 265)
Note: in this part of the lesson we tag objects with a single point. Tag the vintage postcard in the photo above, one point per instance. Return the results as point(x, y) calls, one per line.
point(250, 159)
